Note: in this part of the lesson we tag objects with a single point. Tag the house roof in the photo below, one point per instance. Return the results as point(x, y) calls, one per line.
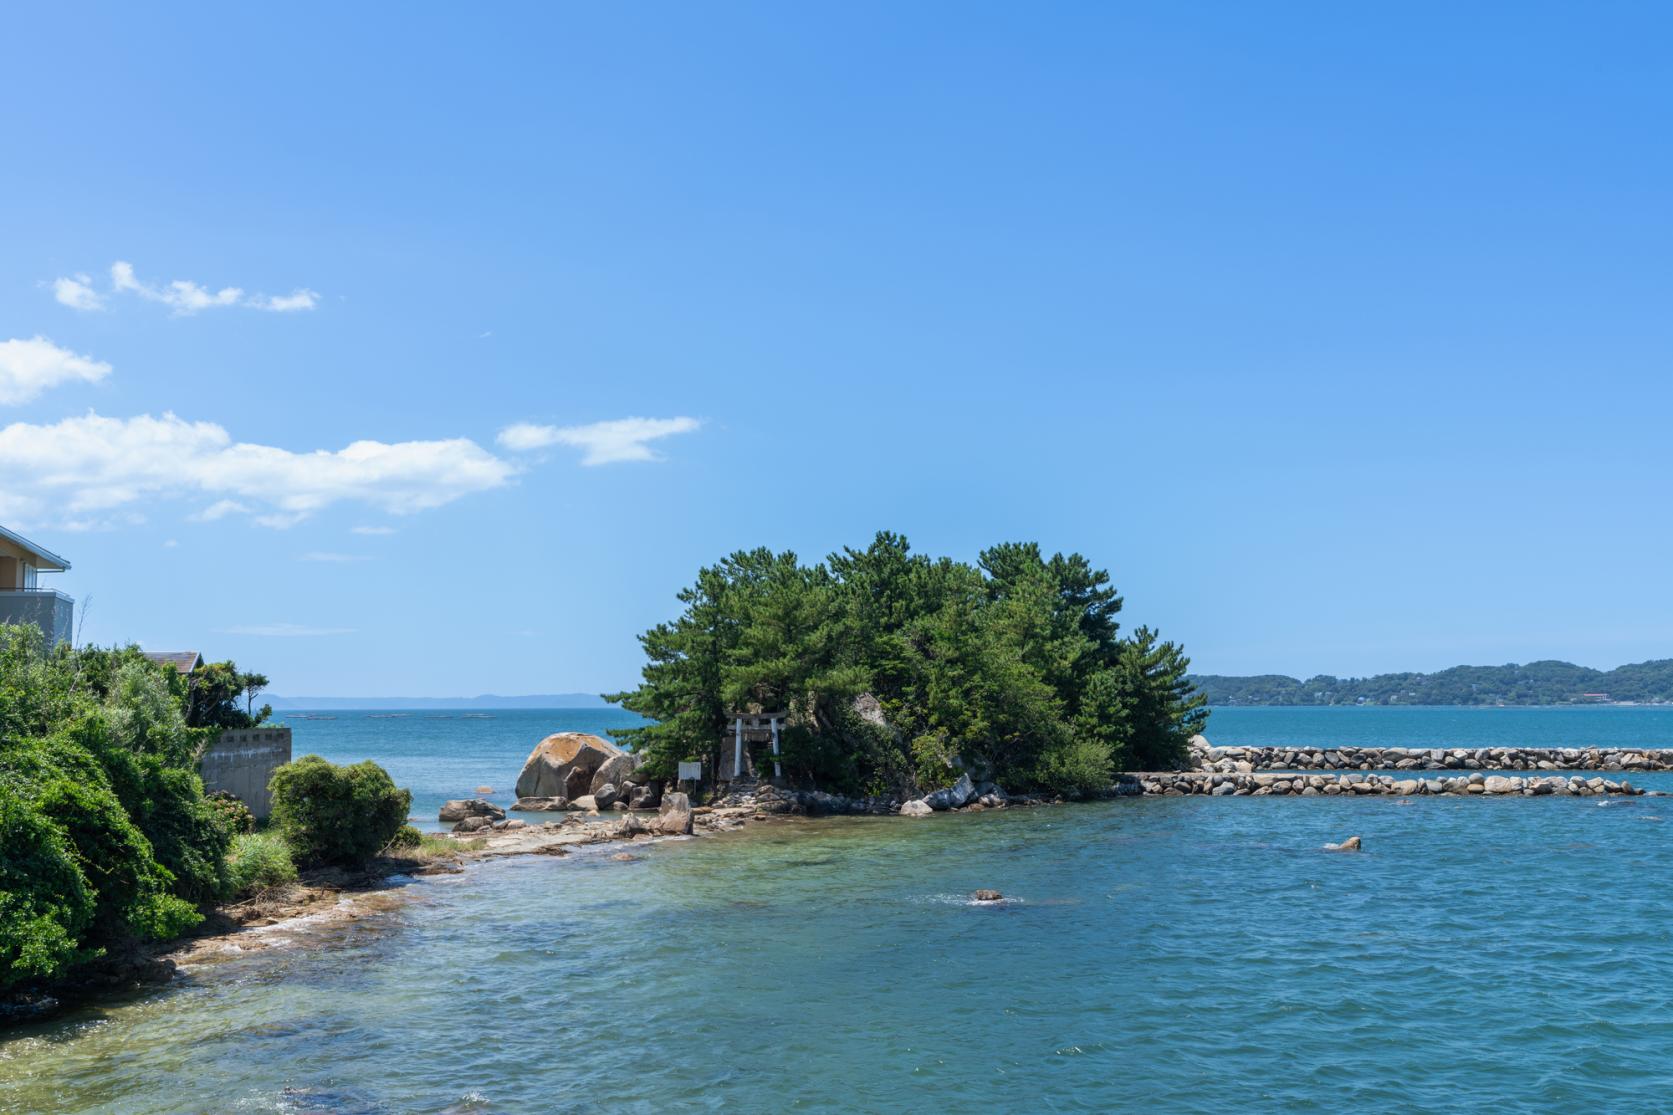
point(184, 661)
point(47, 560)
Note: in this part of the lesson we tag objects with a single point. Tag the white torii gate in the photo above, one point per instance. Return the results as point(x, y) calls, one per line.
point(755, 724)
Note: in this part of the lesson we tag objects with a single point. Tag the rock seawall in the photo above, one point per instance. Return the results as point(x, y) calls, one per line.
point(1246, 760)
point(1218, 784)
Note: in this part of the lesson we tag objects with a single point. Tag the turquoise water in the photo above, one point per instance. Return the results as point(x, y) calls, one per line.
point(442, 755)
point(1159, 955)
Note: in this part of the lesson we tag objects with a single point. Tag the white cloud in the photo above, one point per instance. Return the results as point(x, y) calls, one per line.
point(182, 296)
point(220, 509)
point(372, 530)
point(323, 555)
point(77, 293)
point(299, 299)
point(93, 466)
point(29, 367)
point(286, 630)
point(619, 439)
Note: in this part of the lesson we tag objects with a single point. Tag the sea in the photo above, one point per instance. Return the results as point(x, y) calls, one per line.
point(1164, 955)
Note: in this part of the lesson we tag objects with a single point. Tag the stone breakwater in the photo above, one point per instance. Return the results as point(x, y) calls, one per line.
point(1217, 784)
point(1246, 760)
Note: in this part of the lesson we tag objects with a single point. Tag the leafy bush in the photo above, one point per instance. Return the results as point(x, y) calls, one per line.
point(45, 902)
point(105, 834)
point(332, 814)
point(259, 860)
point(406, 837)
point(233, 814)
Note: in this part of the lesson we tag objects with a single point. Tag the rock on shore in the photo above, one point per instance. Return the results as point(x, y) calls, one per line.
point(462, 808)
point(573, 765)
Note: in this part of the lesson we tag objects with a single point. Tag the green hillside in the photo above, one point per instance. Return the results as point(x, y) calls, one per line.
point(1533, 683)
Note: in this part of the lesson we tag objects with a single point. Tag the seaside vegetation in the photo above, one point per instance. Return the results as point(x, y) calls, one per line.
point(1546, 682)
point(899, 671)
point(109, 840)
point(338, 815)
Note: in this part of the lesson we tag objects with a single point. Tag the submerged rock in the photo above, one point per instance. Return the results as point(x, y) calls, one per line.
point(1351, 844)
point(988, 896)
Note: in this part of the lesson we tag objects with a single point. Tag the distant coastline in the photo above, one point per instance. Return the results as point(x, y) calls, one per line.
point(1547, 682)
point(484, 701)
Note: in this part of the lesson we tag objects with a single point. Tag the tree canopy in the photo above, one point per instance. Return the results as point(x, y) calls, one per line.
point(1013, 669)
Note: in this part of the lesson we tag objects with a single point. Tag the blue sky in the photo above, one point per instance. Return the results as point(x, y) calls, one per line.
point(1339, 334)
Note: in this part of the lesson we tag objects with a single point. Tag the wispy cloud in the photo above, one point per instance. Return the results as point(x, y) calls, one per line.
point(286, 630)
point(602, 443)
point(328, 556)
point(183, 296)
point(30, 367)
point(76, 292)
point(89, 467)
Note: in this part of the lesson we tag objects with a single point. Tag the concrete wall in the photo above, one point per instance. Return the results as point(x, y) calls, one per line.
point(52, 612)
point(242, 761)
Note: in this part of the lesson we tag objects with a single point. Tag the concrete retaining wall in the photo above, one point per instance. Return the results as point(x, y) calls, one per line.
point(242, 761)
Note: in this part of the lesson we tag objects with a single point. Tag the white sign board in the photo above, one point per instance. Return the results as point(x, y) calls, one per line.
point(691, 772)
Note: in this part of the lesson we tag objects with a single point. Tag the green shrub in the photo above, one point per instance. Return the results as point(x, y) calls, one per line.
point(332, 814)
point(259, 860)
point(45, 902)
point(234, 815)
point(105, 834)
point(1078, 767)
point(406, 837)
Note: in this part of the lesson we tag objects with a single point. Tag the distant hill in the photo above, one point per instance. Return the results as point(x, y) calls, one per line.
point(1536, 683)
point(487, 700)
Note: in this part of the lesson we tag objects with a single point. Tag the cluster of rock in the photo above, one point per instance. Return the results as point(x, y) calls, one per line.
point(1244, 784)
point(575, 770)
point(475, 814)
point(963, 794)
point(1236, 760)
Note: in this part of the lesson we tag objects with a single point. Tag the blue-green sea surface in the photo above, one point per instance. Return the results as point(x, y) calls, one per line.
point(1154, 955)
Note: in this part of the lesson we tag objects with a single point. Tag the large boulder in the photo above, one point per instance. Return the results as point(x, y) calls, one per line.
point(644, 797)
point(614, 771)
point(674, 819)
point(955, 796)
point(563, 765)
point(459, 809)
point(916, 809)
point(606, 796)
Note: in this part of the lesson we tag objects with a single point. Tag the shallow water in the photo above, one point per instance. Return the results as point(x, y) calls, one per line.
point(1160, 954)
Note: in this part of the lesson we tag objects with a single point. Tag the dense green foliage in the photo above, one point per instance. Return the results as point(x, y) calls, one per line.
point(106, 833)
point(336, 815)
point(259, 860)
point(1536, 683)
point(1011, 669)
